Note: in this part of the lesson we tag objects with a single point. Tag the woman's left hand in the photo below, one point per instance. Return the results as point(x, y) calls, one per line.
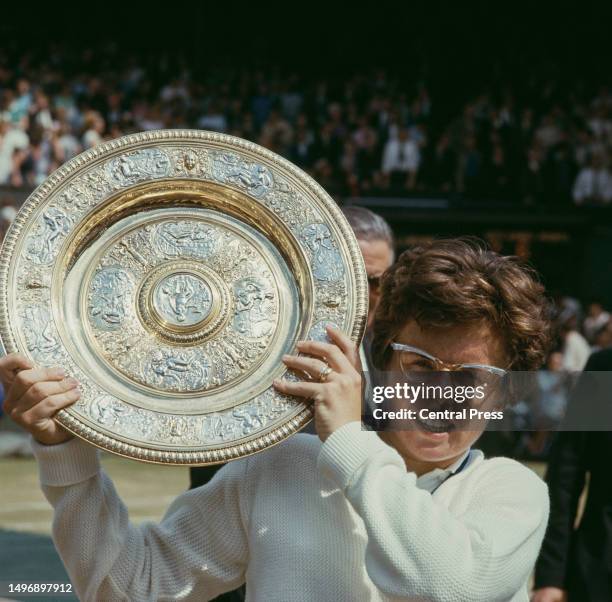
point(336, 393)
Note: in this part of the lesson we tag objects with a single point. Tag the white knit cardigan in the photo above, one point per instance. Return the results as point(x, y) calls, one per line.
point(303, 521)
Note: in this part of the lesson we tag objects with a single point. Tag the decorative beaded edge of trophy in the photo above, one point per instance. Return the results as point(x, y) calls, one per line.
point(204, 457)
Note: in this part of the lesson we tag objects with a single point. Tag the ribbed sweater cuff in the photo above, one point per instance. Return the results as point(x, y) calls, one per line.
point(345, 450)
point(66, 463)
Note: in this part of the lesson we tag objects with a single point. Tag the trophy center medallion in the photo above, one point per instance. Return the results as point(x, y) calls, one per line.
point(182, 300)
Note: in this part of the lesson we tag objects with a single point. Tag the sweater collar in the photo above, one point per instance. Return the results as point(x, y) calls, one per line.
point(431, 480)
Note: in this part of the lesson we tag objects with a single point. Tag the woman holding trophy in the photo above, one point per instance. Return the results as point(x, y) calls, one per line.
point(351, 515)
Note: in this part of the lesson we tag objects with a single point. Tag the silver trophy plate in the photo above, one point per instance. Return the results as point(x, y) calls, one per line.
point(168, 272)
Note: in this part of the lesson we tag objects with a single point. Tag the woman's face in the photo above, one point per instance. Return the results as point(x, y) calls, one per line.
point(464, 344)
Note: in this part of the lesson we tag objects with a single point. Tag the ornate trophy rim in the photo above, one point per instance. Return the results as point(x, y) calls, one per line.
point(71, 420)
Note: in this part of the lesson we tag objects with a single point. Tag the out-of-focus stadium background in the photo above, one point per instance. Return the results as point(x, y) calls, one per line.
point(447, 118)
point(457, 119)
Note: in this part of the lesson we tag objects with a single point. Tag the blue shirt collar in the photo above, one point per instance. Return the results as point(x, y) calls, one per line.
point(431, 480)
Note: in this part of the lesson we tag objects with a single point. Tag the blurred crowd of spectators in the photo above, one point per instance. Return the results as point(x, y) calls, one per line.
point(371, 134)
point(580, 332)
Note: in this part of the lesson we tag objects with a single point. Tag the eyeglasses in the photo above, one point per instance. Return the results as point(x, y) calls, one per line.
point(413, 359)
point(416, 359)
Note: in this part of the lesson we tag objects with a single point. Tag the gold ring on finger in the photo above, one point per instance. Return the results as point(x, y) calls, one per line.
point(324, 374)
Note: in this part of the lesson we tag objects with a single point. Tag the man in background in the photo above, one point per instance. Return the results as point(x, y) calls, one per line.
point(401, 161)
point(597, 317)
point(376, 242)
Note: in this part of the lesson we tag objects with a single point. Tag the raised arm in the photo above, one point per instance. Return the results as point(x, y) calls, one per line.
point(199, 548)
point(480, 548)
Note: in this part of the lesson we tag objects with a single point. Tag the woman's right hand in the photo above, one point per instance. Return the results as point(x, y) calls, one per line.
point(549, 594)
point(34, 395)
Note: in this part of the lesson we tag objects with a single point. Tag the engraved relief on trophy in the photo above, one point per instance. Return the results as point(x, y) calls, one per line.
point(47, 236)
point(139, 165)
point(111, 293)
point(255, 308)
point(182, 299)
point(326, 261)
point(40, 335)
point(186, 239)
point(255, 178)
point(176, 370)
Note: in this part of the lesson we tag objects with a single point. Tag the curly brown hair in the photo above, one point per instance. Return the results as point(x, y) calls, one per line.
point(459, 281)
